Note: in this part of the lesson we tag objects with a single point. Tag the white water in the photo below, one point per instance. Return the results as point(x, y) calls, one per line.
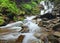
point(13, 26)
point(28, 37)
point(31, 26)
point(30, 17)
point(10, 36)
point(48, 6)
point(16, 26)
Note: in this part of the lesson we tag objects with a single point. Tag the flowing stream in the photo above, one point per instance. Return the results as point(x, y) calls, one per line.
point(33, 27)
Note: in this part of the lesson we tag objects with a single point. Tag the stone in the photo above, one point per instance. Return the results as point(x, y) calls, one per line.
point(33, 41)
point(56, 33)
point(56, 27)
point(48, 16)
point(5, 31)
point(37, 35)
point(53, 39)
point(40, 24)
point(20, 39)
point(24, 29)
point(7, 41)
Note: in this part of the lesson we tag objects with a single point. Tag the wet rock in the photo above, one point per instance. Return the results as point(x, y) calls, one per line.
point(56, 27)
point(48, 16)
point(53, 39)
point(7, 41)
point(5, 31)
point(20, 39)
point(56, 33)
point(33, 41)
point(40, 23)
point(37, 35)
point(24, 29)
point(54, 21)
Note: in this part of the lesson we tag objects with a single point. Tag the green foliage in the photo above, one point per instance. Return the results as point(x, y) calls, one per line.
point(31, 8)
point(10, 5)
point(33, 4)
point(19, 18)
point(15, 18)
point(35, 10)
point(27, 6)
point(1, 20)
point(24, 8)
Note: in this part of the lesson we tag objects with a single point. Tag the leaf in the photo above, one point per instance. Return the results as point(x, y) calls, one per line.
point(33, 4)
point(27, 6)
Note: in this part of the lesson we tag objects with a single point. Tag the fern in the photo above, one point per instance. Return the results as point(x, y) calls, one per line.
point(10, 5)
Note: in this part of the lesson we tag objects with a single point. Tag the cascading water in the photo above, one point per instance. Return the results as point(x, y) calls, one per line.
point(27, 22)
point(48, 6)
point(31, 26)
point(17, 26)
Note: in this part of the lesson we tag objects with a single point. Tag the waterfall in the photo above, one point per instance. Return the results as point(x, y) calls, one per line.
point(48, 6)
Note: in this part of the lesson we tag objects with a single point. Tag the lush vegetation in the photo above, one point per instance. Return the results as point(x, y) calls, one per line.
point(23, 7)
point(16, 9)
